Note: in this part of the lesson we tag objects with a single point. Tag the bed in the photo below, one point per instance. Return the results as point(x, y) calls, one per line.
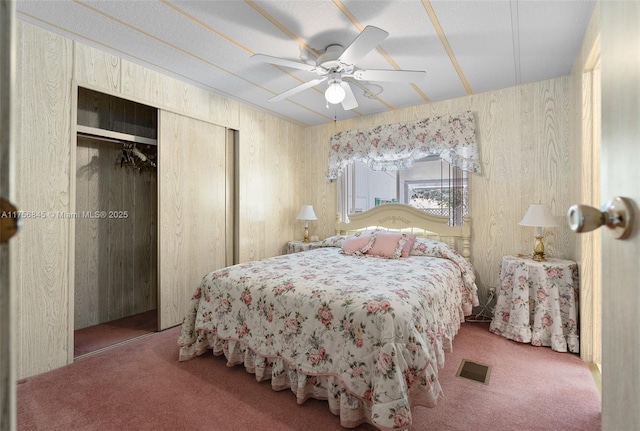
point(345, 321)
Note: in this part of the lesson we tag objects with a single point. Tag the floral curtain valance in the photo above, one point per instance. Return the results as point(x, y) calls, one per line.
point(396, 146)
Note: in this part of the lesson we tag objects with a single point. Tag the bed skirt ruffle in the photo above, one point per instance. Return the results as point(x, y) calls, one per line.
point(351, 409)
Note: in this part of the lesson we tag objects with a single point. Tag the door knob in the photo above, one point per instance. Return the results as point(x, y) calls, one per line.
point(8, 220)
point(617, 215)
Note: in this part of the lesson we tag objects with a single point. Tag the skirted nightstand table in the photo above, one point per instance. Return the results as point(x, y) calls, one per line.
point(298, 246)
point(538, 303)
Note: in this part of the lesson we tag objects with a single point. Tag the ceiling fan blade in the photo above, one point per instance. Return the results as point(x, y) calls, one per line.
point(365, 42)
point(283, 62)
point(297, 89)
point(390, 75)
point(349, 101)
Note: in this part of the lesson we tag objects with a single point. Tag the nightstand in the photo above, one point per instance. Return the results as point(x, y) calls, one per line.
point(298, 246)
point(538, 302)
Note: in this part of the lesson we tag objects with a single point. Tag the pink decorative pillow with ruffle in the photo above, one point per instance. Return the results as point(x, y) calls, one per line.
point(406, 249)
point(358, 243)
point(388, 244)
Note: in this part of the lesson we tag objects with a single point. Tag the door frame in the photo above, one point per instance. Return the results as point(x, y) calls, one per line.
point(7, 191)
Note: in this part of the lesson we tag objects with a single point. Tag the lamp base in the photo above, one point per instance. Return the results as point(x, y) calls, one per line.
point(306, 234)
point(539, 257)
point(538, 250)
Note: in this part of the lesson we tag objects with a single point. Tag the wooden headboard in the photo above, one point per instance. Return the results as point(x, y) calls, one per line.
point(407, 219)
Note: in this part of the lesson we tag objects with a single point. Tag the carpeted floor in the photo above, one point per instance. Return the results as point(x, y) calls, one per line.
point(142, 386)
point(97, 337)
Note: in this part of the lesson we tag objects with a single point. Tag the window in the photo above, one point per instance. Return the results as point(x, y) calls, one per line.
point(430, 184)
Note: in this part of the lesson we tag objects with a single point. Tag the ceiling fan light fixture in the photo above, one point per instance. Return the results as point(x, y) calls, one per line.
point(337, 63)
point(335, 93)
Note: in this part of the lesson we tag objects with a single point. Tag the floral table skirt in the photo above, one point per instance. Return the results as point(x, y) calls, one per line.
point(538, 303)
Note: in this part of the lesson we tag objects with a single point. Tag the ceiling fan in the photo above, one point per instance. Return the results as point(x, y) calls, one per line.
point(338, 63)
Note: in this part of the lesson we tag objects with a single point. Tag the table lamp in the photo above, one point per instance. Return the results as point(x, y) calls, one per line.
point(306, 213)
point(539, 216)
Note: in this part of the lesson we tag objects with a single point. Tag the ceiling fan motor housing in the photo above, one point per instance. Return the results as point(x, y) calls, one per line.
point(330, 59)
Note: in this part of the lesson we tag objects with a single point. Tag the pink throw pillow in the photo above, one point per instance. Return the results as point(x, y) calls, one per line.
point(406, 249)
point(357, 243)
point(388, 244)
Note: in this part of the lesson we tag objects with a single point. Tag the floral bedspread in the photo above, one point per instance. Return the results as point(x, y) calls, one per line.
point(365, 333)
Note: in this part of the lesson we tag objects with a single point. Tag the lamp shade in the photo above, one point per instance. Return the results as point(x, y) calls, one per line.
point(307, 213)
point(539, 216)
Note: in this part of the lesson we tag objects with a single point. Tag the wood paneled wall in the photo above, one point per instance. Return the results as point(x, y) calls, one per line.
point(270, 176)
point(40, 252)
point(116, 256)
point(271, 190)
point(107, 73)
point(270, 161)
point(523, 137)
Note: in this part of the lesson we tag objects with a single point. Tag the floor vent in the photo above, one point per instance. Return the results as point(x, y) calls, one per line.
point(474, 371)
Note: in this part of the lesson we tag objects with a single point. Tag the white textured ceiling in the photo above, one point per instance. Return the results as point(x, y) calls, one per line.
point(466, 47)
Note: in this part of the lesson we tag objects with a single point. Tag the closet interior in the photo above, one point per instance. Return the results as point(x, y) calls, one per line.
point(116, 221)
